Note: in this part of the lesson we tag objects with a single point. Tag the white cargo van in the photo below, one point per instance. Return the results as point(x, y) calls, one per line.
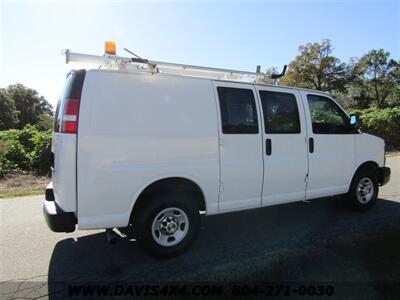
point(148, 149)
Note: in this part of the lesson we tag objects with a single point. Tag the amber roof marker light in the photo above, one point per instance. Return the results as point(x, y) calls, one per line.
point(110, 47)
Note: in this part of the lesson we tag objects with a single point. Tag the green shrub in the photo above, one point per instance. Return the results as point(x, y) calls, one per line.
point(15, 155)
point(44, 122)
point(383, 122)
point(11, 151)
point(40, 155)
point(26, 150)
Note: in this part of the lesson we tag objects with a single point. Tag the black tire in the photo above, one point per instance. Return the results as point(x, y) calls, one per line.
point(143, 224)
point(364, 176)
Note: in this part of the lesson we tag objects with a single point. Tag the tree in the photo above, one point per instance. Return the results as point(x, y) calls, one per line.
point(8, 112)
point(28, 103)
point(380, 76)
point(393, 100)
point(316, 68)
point(44, 122)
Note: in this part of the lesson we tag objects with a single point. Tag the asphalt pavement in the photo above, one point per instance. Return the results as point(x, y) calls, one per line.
point(320, 241)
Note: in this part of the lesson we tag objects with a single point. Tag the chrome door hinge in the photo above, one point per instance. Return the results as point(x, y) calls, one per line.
point(220, 141)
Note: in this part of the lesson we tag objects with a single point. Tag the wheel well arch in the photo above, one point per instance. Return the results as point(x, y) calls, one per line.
point(170, 184)
point(367, 164)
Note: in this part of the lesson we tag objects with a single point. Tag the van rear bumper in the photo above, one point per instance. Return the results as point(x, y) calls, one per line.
point(56, 218)
point(384, 175)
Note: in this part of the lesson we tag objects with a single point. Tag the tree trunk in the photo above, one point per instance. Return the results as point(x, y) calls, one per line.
point(377, 98)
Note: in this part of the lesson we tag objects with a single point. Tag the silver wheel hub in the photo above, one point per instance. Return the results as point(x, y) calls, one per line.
point(170, 226)
point(365, 190)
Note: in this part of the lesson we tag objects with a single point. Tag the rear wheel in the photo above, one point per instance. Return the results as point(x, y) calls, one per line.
point(167, 224)
point(364, 189)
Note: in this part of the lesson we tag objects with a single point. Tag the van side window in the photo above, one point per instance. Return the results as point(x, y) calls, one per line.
point(238, 111)
point(327, 117)
point(281, 114)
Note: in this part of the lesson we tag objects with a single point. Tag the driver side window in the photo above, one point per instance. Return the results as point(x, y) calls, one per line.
point(327, 117)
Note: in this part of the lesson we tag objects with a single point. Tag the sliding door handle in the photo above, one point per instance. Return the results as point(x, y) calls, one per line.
point(311, 145)
point(268, 146)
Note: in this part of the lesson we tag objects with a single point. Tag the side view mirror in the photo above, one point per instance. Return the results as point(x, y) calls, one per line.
point(354, 119)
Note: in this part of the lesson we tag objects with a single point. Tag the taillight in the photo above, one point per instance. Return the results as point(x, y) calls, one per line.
point(70, 116)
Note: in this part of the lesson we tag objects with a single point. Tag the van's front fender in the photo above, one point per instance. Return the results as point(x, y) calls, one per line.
point(369, 148)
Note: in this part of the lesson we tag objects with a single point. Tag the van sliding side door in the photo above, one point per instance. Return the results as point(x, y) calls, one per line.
point(285, 148)
point(240, 141)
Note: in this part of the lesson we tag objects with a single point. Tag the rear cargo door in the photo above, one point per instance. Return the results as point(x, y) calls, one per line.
point(64, 142)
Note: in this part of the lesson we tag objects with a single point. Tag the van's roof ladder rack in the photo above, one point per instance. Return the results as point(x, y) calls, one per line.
point(152, 66)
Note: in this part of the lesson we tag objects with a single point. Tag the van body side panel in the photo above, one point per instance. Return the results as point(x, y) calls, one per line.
point(135, 129)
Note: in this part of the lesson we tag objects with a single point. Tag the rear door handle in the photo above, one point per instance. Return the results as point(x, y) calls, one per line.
point(311, 145)
point(268, 146)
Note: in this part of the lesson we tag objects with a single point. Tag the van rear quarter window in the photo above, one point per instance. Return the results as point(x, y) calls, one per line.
point(238, 111)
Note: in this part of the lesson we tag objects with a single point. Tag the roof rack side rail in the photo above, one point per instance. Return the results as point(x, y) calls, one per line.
point(139, 64)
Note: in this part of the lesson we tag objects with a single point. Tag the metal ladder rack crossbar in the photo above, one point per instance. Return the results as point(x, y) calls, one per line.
point(144, 65)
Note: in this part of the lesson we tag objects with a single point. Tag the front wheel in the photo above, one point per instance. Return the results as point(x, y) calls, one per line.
point(364, 189)
point(168, 224)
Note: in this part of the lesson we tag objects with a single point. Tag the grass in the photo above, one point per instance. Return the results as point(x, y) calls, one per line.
point(22, 185)
point(392, 153)
point(21, 193)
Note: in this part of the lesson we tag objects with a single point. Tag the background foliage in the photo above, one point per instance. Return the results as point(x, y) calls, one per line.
point(384, 123)
point(25, 151)
point(370, 81)
point(20, 106)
